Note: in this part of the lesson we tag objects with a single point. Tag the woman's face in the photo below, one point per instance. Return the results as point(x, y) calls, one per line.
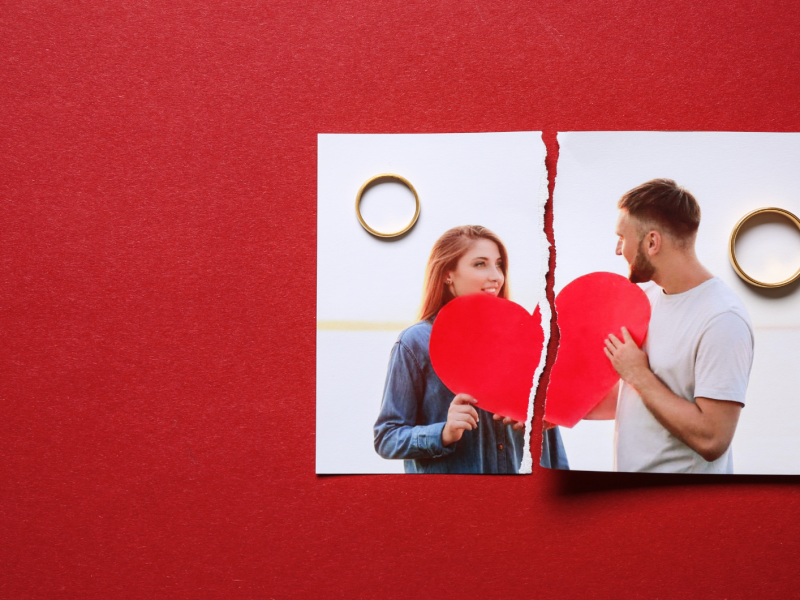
point(479, 270)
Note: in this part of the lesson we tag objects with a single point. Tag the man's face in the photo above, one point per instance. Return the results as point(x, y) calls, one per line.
point(630, 245)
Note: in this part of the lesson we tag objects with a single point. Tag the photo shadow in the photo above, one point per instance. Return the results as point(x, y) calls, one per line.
point(571, 483)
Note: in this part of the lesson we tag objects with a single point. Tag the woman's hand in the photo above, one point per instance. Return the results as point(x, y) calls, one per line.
point(461, 417)
point(509, 421)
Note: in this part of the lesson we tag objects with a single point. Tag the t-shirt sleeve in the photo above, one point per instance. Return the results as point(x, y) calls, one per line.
point(724, 359)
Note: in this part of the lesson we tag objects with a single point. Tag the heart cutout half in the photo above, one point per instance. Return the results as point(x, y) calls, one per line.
point(589, 309)
point(489, 348)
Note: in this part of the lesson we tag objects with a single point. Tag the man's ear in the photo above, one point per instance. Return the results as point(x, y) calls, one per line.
point(652, 242)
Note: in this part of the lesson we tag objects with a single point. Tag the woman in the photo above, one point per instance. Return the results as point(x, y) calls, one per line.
point(421, 421)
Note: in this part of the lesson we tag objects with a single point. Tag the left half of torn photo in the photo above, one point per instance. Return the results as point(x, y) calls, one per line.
point(430, 342)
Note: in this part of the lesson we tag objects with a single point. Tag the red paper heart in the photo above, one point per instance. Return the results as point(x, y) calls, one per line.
point(588, 310)
point(488, 348)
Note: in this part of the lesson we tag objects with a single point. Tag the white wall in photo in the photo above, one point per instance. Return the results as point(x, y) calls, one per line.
point(369, 289)
point(730, 174)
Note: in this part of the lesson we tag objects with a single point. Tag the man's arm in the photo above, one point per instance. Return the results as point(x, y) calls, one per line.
point(606, 409)
point(706, 426)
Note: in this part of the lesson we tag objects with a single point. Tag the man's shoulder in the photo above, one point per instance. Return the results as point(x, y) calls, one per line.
point(719, 299)
point(710, 304)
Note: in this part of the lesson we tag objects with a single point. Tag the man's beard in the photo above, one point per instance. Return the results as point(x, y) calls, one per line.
point(641, 268)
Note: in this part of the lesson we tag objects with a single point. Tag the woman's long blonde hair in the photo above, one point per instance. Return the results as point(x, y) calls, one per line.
point(446, 253)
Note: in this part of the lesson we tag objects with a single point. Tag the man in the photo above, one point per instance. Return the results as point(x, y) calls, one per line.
point(680, 396)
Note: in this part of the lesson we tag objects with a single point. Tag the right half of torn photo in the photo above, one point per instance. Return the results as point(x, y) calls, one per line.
point(677, 302)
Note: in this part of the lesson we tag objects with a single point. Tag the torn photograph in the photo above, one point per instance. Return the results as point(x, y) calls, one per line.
point(677, 302)
point(431, 265)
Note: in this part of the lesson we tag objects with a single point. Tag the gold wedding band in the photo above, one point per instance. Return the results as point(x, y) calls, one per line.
point(375, 179)
point(732, 249)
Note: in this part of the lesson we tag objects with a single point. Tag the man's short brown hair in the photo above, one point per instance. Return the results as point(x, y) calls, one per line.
point(664, 204)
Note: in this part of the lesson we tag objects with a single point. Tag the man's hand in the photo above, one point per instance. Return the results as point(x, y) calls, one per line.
point(628, 360)
point(461, 417)
point(509, 421)
point(705, 425)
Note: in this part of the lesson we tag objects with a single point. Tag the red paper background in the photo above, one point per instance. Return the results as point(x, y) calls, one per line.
point(157, 297)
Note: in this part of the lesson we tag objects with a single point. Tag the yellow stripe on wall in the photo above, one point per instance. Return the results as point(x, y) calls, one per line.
point(362, 325)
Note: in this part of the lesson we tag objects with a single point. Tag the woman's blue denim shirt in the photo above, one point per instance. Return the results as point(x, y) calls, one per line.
point(414, 412)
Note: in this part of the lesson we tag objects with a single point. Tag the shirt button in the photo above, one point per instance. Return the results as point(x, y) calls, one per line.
point(500, 446)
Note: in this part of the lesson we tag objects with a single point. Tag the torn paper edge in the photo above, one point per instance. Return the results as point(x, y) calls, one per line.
point(555, 309)
point(526, 467)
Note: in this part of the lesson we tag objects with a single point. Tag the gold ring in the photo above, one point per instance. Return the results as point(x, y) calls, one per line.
point(732, 249)
point(373, 180)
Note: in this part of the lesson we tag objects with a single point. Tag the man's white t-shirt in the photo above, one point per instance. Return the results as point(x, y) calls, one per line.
point(700, 345)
